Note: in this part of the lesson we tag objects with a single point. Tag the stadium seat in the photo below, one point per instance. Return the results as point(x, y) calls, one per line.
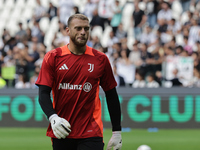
point(55, 2)
point(31, 4)
point(54, 26)
point(123, 2)
point(2, 25)
point(179, 39)
point(130, 38)
point(126, 15)
point(27, 13)
point(97, 31)
point(48, 39)
point(5, 13)
point(30, 24)
point(142, 5)
point(12, 26)
point(44, 24)
point(105, 37)
point(15, 14)
point(176, 9)
point(1, 4)
point(45, 3)
point(20, 4)
point(184, 18)
point(167, 84)
point(9, 4)
point(80, 4)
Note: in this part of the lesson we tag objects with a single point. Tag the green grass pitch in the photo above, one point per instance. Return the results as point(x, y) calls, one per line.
point(168, 139)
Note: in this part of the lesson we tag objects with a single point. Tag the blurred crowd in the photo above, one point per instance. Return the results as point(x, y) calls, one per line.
point(136, 35)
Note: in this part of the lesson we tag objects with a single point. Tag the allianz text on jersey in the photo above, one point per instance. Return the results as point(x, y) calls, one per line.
point(67, 86)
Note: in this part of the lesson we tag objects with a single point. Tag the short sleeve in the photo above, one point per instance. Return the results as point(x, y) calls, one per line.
point(107, 80)
point(46, 75)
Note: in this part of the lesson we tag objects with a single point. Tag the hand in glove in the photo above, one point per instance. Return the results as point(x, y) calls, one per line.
point(60, 126)
point(115, 141)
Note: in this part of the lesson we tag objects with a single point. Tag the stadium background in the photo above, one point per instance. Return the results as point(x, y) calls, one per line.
point(146, 112)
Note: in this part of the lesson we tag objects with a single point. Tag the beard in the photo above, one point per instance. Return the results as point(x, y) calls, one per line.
point(78, 42)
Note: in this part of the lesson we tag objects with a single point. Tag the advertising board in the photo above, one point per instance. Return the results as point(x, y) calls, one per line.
point(141, 108)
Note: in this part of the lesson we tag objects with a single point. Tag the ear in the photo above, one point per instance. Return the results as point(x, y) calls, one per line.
point(68, 31)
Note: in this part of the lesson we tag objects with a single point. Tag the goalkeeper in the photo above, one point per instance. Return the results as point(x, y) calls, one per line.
point(74, 73)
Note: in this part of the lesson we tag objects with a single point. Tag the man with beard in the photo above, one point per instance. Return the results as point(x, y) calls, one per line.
point(74, 73)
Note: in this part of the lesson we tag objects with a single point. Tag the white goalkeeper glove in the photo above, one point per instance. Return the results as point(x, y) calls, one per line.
point(115, 141)
point(60, 126)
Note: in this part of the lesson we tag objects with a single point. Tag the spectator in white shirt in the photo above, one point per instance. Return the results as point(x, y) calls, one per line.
point(148, 36)
point(194, 32)
point(105, 11)
point(39, 11)
point(125, 68)
point(121, 33)
point(65, 10)
point(165, 13)
point(174, 25)
point(151, 83)
point(135, 55)
point(22, 83)
point(89, 9)
point(139, 81)
point(111, 41)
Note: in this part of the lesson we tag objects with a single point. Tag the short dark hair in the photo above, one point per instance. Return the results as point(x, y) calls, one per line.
point(78, 16)
point(180, 47)
point(185, 37)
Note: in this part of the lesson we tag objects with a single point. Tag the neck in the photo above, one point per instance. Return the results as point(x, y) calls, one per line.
point(78, 50)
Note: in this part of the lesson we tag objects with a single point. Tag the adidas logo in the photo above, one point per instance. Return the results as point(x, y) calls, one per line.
point(63, 67)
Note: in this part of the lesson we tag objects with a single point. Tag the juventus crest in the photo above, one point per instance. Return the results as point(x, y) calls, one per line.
point(91, 67)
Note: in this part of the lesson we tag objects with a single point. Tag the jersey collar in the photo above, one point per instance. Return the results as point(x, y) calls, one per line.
point(66, 51)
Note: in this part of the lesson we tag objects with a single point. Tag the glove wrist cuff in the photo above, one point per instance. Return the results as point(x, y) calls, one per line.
point(116, 132)
point(52, 116)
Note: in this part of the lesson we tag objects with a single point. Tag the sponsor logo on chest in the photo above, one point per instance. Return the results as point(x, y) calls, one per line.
point(67, 86)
